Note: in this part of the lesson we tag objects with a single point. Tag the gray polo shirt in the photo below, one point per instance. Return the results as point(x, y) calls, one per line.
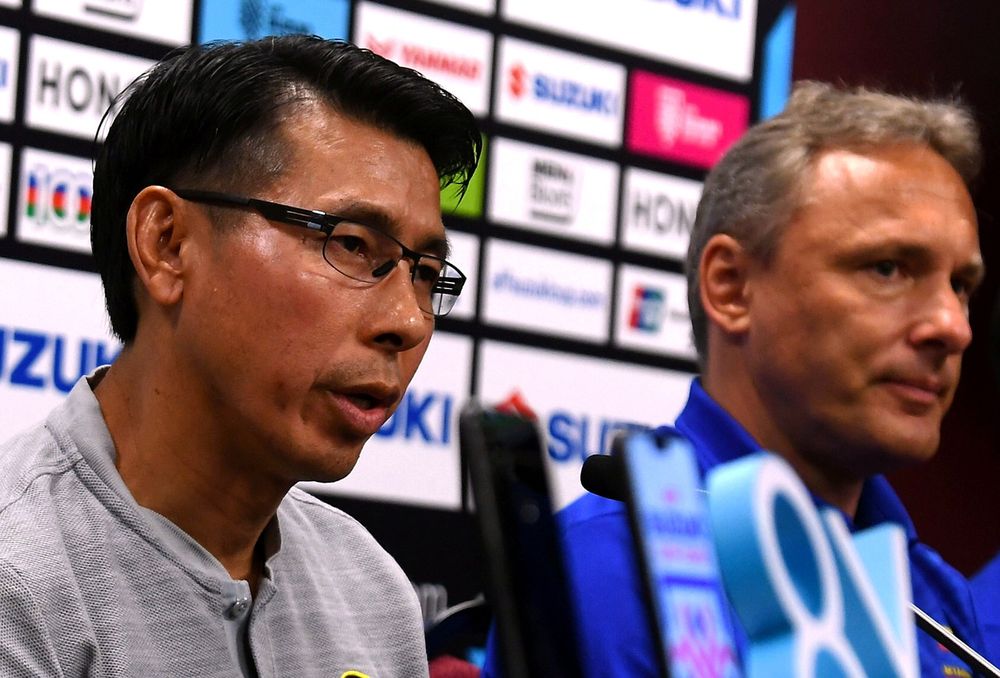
point(92, 584)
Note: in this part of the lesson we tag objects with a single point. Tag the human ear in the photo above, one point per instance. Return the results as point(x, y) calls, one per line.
point(723, 276)
point(156, 243)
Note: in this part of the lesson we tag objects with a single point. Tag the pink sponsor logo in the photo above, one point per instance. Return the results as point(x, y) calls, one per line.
point(679, 121)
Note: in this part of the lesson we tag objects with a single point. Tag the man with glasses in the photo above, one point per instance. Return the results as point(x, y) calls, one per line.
point(266, 223)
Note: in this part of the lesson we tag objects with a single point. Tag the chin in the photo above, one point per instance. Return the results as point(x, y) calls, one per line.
point(326, 464)
point(338, 470)
point(909, 452)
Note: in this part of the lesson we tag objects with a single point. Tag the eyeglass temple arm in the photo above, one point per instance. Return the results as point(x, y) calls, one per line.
point(298, 216)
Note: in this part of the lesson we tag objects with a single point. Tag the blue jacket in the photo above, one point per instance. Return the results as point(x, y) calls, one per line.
point(986, 593)
point(607, 592)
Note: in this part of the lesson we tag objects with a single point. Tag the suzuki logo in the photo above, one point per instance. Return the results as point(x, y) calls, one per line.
point(518, 77)
point(40, 360)
point(421, 416)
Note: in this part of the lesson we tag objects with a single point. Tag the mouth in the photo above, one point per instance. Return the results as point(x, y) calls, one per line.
point(362, 409)
point(918, 391)
point(363, 400)
point(371, 396)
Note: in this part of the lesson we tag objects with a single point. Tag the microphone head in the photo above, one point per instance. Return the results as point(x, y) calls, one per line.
point(604, 476)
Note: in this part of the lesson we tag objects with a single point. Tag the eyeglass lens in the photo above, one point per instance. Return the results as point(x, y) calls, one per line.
point(367, 254)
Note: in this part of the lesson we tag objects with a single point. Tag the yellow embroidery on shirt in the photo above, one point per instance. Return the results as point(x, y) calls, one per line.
point(354, 674)
point(956, 671)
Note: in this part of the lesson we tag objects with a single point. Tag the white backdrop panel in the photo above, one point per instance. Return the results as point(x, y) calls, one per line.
point(714, 37)
point(164, 21)
point(580, 402)
point(542, 189)
point(53, 328)
point(652, 312)
point(456, 57)
point(544, 290)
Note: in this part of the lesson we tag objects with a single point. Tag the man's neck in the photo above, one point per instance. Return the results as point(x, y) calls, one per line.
point(742, 401)
point(173, 460)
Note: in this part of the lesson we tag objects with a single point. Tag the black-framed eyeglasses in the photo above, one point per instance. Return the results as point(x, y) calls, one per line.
point(360, 252)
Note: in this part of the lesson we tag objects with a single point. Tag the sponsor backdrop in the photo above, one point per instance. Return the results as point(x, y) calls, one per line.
point(599, 119)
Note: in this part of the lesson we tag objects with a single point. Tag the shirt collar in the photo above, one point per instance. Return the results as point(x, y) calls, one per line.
point(79, 420)
point(720, 439)
point(712, 430)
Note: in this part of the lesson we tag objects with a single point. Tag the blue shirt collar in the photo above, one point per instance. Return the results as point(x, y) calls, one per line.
point(719, 438)
point(712, 430)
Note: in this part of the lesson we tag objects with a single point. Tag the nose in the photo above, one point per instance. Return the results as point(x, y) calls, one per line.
point(944, 321)
point(396, 322)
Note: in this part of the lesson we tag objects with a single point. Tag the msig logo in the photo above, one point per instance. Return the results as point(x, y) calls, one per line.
point(425, 417)
point(571, 436)
point(562, 92)
point(58, 197)
point(42, 360)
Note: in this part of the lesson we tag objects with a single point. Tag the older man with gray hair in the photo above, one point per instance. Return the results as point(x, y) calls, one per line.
point(829, 272)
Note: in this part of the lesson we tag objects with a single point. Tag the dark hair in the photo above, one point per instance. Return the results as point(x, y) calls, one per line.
point(209, 115)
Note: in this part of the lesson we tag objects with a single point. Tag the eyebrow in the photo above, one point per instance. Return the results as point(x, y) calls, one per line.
point(371, 214)
point(974, 272)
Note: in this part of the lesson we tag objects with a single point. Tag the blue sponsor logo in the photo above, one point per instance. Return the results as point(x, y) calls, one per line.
point(573, 94)
point(251, 19)
point(546, 290)
point(41, 360)
point(425, 417)
point(574, 437)
point(562, 91)
point(727, 9)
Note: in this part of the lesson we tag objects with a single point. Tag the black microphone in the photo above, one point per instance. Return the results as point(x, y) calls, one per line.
point(604, 476)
